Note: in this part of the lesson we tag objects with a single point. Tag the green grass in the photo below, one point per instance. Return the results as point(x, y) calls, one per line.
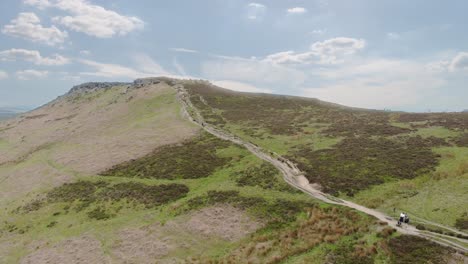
point(440, 132)
point(438, 197)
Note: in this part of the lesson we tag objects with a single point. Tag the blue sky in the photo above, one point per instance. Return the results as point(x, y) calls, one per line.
point(399, 55)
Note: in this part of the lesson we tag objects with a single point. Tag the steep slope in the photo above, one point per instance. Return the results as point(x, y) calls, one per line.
point(386, 160)
point(132, 180)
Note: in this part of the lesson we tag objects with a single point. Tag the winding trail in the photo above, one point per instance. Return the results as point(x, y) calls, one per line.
point(293, 176)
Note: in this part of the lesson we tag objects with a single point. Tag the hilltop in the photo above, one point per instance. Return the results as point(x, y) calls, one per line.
point(121, 173)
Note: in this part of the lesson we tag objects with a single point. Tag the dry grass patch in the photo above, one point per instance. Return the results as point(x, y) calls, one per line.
point(83, 249)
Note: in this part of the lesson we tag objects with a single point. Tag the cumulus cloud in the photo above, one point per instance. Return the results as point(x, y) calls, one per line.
point(27, 26)
point(33, 56)
point(331, 51)
point(90, 19)
point(184, 50)
point(31, 74)
point(460, 62)
point(297, 10)
point(41, 4)
point(3, 75)
point(360, 82)
point(255, 11)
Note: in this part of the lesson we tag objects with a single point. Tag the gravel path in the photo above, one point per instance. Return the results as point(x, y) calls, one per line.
point(293, 176)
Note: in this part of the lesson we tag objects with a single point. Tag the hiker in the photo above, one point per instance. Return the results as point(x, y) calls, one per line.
point(406, 219)
point(402, 218)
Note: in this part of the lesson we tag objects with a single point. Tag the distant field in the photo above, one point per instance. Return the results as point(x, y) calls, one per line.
point(385, 160)
point(4, 116)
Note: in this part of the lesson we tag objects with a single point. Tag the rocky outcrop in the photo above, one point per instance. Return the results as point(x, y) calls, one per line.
point(93, 86)
point(138, 83)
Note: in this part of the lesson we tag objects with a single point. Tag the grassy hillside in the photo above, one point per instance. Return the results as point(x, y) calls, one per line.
point(237, 209)
point(85, 132)
point(412, 162)
point(165, 191)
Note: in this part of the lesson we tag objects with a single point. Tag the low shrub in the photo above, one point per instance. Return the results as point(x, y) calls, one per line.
point(99, 213)
point(356, 163)
point(265, 176)
point(406, 249)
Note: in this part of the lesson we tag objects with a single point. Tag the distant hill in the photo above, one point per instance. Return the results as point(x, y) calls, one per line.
point(8, 112)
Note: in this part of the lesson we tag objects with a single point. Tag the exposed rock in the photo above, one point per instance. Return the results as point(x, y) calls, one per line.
point(138, 83)
point(92, 86)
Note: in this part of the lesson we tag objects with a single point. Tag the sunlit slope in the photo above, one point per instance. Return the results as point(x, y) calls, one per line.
point(92, 128)
point(412, 162)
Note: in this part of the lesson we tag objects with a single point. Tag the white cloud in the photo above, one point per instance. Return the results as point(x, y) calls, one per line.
point(110, 70)
point(184, 50)
point(85, 52)
point(239, 86)
point(31, 74)
point(145, 67)
point(438, 66)
point(297, 10)
point(256, 11)
point(90, 19)
point(460, 62)
point(376, 83)
point(41, 4)
point(256, 5)
point(331, 51)
point(251, 70)
point(27, 26)
point(393, 36)
point(318, 31)
point(33, 56)
point(3, 75)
